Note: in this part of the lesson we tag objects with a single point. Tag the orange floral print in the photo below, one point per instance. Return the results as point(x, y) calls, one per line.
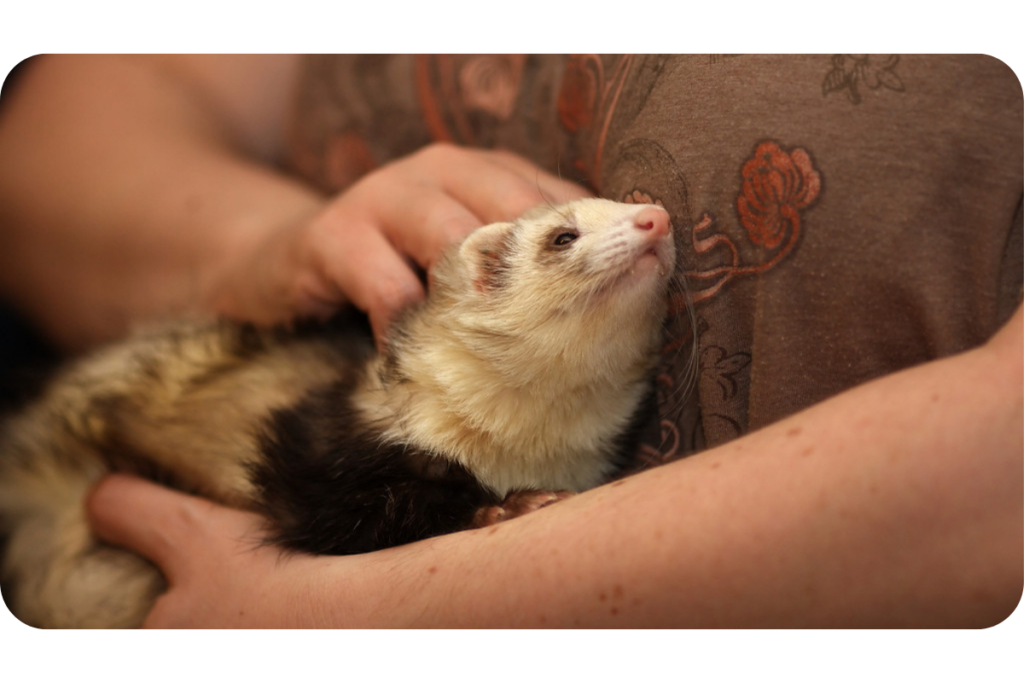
point(776, 186)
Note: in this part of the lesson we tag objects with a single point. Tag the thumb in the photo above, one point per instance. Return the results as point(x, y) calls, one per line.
point(149, 519)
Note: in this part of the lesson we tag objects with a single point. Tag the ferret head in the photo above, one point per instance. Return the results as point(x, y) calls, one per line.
point(535, 347)
point(583, 283)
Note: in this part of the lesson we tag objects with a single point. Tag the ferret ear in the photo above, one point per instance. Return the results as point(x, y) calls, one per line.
point(485, 254)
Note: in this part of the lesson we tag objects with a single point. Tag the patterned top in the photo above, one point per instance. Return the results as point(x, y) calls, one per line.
point(839, 217)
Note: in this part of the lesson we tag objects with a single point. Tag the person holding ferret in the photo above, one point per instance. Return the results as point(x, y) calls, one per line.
point(852, 433)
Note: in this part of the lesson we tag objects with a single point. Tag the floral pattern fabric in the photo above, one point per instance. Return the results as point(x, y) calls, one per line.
point(838, 217)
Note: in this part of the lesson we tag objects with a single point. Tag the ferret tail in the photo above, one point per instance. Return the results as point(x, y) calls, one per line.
point(54, 572)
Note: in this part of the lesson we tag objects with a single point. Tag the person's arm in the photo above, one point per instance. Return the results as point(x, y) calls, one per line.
point(898, 503)
point(135, 188)
point(124, 184)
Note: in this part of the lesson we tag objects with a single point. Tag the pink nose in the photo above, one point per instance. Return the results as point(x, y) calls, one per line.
point(654, 219)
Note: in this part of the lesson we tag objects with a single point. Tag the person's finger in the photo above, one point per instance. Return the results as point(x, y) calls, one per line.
point(423, 219)
point(425, 222)
point(494, 185)
point(366, 266)
point(149, 519)
point(554, 189)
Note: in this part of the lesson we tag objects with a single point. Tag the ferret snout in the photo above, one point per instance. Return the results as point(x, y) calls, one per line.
point(653, 220)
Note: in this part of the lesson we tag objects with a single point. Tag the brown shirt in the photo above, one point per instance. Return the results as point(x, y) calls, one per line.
point(839, 217)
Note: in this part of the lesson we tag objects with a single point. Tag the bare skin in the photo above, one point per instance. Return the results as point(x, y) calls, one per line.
point(897, 503)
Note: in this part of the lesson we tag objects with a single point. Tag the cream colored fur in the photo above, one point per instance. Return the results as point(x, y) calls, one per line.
point(528, 384)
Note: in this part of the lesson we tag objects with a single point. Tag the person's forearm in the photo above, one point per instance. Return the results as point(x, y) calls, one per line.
point(898, 503)
point(122, 188)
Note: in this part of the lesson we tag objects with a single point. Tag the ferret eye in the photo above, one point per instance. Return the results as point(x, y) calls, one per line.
point(565, 238)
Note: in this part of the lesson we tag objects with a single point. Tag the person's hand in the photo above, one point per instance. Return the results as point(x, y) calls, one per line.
point(219, 573)
point(362, 247)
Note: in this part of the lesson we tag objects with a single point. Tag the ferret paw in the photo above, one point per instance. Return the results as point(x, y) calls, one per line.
point(517, 504)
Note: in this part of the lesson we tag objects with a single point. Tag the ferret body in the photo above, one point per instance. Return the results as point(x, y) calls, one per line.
point(524, 370)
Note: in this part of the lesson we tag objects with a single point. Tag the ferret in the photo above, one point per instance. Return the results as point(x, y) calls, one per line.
point(521, 376)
